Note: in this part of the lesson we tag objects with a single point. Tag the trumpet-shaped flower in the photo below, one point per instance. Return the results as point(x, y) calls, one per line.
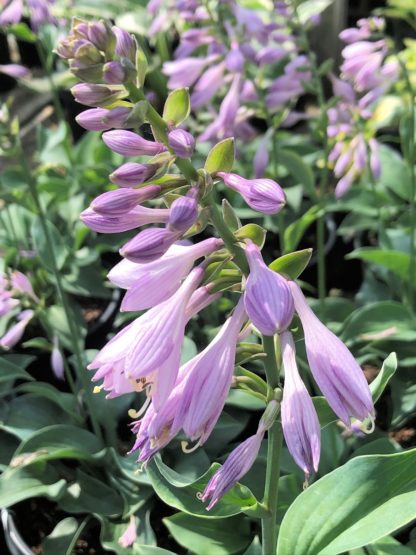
point(147, 352)
point(138, 216)
point(267, 296)
point(299, 419)
point(335, 370)
point(153, 282)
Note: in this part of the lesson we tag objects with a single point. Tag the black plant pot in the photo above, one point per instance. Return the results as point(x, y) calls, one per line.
point(14, 541)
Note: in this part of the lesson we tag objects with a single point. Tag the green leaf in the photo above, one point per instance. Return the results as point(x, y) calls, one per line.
point(89, 495)
point(325, 414)
point(22, 32)
point(19, 484)
point(292, 264)
point(297, 168)
point(395, 174)
point(312, 7)
point(377, 321)
point(221, 157)
point(177, 107)
point(61, 539)
point(251, 231)
point(396, 261)
point(58, 442)
point(141, 66)
point(388, 546)
point(10, 371)
point(181, 494)
point(230, 217)
point(202, 536)
point(41, 246)
point(356, 504)
point(295, 231)
point(387, 371)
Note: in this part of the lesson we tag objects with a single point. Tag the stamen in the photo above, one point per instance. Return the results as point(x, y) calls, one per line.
point(184, 447)
point(97, 389)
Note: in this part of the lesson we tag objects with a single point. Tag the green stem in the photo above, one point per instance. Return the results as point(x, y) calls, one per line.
point(75, 336)
point(410, 156)
point(274, 446)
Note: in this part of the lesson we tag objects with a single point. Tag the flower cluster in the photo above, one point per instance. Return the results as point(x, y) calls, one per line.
point(160, 276)
point(237, 49)
point(366, 76)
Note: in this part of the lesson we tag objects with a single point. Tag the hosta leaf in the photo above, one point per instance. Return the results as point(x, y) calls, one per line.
point(17, 484)
point(221, 157)
point(356, 504)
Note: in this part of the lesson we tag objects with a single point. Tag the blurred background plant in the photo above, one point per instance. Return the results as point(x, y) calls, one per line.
point(65, 472)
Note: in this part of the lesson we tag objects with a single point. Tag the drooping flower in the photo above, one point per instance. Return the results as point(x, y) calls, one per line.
point(335, 370)
point(129, 535)
point(181, 142)
point(128, 143)
point(147, 351)
point(15, 333)
point(153, 282)
point(57, 360)
point(300, 422)
point(136, 217)
point(267, 296)
point(262, 195)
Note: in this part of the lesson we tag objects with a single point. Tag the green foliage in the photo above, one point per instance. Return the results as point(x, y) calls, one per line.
point(177, 107)
point(221, 157)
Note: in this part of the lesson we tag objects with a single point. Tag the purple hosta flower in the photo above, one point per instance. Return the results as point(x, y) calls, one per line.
point(136, 217)
point(97, 95)
point(21, 284)
point(15, 70)
point(11, 12)
point(40, 13)
point(181, 142)
point(94, 119)
point(364, 29)
point(191, 40)
point(114, 73)
point(224, 124)
point(129, 535)
point(267, 296)
point(270, 55)
point(147, 352)
point(300, 422)
point(208, 85)
point(150, 244)
point(362, 63)
point(153, 282)
point(184, 72)
point(15, 333)
point(126, 45)
point(343, 89)
point(375, 163)
point(235, 59)
point(132, 174)
point(209, 378)
point(288, 86)
point(335, 370)
point(57, 360)
point(262, 195)
point(120, 201)
point(235, 467)
point(128, 143)
point(183, 212)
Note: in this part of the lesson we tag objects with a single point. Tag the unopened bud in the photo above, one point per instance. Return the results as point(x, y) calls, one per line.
point(121, 201)
point(97, 95)
point(183, 213)
point(128, 143)
point(150, 244)
point(131, 174)
point(181, 142)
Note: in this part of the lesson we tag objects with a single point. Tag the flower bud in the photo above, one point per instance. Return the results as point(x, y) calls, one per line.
point(101, 35)
point(101, 119)
point(183, 213)
point(57, 360)
point(136, 217)
point(267, 296)
point(114, 73)
point(128, 143)
point(131, 174)
point(97, 95)
point(120, 201)
point(15, 333)
point(125, 44)
point(16, 71)
point(262, 195)
point(181, 142)
point(150, 244)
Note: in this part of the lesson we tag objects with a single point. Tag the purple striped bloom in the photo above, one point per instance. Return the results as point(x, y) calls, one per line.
point(15, 333)
point(128, 143)
point(97, 95)
point(267, 296)
point(183, 212)
point(181, 142)
point(262, 195)
point(131, 174)
point(299, 419)
point(153, 282)
point(147, 352)
point(150, 244)
point(335, 370)
point(120, 201)
point(136, 217)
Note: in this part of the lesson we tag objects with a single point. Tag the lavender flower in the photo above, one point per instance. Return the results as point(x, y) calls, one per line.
point(129, 535)
point(120, 201)
point(181, 142)
point(97, 95)
point(334, 368)
point(14, 70)
point(267, 296)
point(57, 360)
point(183, 212)
point(262, 195)
point(150, 244)
point(299, 419)
point(128, 143)
point(131, 174)
point(147, 352)
point(153, 282)
point(15, 333)
point(125, 222)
